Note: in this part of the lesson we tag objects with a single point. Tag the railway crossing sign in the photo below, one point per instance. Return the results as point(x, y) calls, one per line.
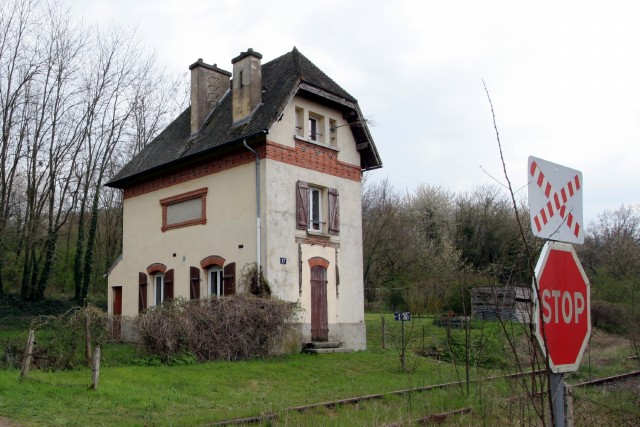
point(555, 201)
point(562, 314)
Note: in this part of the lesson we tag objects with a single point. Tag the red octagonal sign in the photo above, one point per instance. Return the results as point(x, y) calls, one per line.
point(563, 310)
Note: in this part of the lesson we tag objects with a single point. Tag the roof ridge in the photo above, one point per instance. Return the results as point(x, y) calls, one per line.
point(295, 53)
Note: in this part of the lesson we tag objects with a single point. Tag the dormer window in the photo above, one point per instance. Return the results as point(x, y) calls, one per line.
point(313, 129)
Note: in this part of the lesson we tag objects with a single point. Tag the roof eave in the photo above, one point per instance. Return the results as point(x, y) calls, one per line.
point(126, 181)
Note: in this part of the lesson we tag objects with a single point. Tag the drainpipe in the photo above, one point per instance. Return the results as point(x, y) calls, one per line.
point(244, 141)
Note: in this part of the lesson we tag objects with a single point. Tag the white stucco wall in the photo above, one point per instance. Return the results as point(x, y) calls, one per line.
point(230, 222)
point(283, 130)
point(345, 304)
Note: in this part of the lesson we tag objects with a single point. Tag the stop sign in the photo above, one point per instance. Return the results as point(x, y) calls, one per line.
point(562, 306)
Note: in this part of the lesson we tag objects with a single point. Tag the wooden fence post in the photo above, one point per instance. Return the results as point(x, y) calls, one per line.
point(568, 405)
point(383, 347)
point(96, 369)
point(87, 337)
point(26, 362)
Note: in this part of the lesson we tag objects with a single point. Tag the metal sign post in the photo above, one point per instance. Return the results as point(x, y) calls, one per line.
point(562, 312)
point(557, 392)
point(402, 317)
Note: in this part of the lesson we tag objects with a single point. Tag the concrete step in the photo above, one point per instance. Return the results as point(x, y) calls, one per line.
point(321, 344)
point(327, 350)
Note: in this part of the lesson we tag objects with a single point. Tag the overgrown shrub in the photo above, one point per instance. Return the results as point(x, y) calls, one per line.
point(254, 281)
point(486, 349)
point(228, 328)
point(61, 340)
point(609, 317)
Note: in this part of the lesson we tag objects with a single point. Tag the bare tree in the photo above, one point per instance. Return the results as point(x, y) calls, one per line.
point(18, 66)
point(67, 121)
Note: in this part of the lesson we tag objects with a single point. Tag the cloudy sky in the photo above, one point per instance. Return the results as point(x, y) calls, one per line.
point(563, 77)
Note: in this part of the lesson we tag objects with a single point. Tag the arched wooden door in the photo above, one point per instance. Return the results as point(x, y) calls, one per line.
point(319, 317)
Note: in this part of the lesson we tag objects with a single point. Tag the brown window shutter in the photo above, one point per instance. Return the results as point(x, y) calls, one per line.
point(168, 285)
point(229, 274)
point(142, 292)
point(194, 283)
point(302, 205)
point(334, 212)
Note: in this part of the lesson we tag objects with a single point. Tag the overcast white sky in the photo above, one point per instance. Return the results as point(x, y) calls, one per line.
point(564, 77)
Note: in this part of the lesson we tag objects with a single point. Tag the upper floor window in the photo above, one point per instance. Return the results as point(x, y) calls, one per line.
point(315, 127)
point(184, 209)
point(313, 205)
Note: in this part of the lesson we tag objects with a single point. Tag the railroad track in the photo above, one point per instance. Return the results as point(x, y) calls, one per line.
point(608, 380)
point(430, 418)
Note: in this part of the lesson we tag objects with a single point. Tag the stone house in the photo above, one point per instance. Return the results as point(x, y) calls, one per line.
point(263, 168)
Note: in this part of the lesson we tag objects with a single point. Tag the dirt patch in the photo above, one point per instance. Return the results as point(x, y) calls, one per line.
point(6, 422)
point(605, 348)
point(603, 339)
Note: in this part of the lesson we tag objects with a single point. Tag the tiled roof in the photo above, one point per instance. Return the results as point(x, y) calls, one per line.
point(280, 78)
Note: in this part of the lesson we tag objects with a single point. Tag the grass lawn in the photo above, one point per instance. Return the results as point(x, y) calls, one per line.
point(199, 394)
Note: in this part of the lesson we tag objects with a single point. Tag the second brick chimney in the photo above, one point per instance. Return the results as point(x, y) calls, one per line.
point(247, 84)
point(208, 84)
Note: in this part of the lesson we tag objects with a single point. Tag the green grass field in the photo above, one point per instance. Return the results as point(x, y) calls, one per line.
point(132, 393)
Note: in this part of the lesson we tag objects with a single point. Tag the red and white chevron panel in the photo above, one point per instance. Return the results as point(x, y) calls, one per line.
point(555, 201)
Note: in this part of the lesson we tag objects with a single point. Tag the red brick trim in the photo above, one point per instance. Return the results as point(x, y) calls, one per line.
point(212, 260)
point(194, 194)
point(304, 154)
point(156, 267)
point(191, 172)
point(325, 242)
point(316, 260)
point(315, 157)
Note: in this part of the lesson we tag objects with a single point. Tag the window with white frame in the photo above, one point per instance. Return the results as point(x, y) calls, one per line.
point(216, 282)
point(317, 209)
point(158, 288)
point(312, 126)
point(316, 127)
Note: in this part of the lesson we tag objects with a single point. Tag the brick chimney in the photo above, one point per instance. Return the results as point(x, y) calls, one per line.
point(247, 84)
point(208, 85)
